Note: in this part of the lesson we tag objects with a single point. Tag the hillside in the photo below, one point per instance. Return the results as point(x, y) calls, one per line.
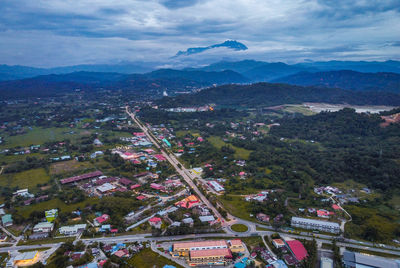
point(347, 80)
point(267, 94)
point(154, 82)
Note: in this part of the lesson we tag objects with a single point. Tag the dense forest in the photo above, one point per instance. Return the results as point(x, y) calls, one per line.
point(266, 94)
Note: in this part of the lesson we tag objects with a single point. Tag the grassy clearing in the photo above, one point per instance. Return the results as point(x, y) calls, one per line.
point(298, 109)
point(42, 135)
point(45, 241)
point(240, 153)
point(236, 206)
point(26, 179)
point(148, 258)
point(54, 203)
point(252, 241)
point(241, 228)
point(38, 249)
point(69, 166)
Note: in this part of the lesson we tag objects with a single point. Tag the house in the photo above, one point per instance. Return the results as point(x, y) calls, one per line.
point(188, 202)
point(158, 187)
point(105, 188)
point(141, 197)
point(24, 193)
point(6, 220)
point(278, 243)
point(262, 217)
point(236, 245)
point(155, 222)
point(72, 229)
point(99, 220)
point(43, 227)
point(216, 186)
point(188, 221)
point(122, 253)
point(208, 219)
point(322, 213)
point(97, 142)
point(125, 182)
point(51, 214)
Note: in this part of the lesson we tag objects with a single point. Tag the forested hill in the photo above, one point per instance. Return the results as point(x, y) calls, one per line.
point(267, 94)
point(347, 80)
point(355, 147)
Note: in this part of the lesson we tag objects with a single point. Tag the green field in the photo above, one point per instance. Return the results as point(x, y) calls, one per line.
point(296, 108)
point(240, 153)
point(25, 179)
point(241, 228)
point(55, 203)
point(42, 135)
point(236, 206)
point(148, 258)
point(45, 241)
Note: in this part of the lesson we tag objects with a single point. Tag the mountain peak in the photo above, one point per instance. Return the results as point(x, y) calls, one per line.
point(231, 44)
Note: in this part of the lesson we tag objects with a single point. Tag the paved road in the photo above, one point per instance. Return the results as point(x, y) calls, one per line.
point(186, 175)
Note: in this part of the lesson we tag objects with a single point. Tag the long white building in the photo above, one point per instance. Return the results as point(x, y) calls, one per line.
point(325, 226)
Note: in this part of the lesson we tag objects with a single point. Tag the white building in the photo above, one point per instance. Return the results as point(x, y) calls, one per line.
point(216, 186)
point(43, 227)
point(325, 226)
point(72, 229)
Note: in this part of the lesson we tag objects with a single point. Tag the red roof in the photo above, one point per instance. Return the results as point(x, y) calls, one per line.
point(160, 157)
point(141, 197)
point(155, 219)
point(114, 230)
point(81, 177)
point(102, 218)
point(135, 186)
point(125, 181)
point(335, 207)
point(298, 249)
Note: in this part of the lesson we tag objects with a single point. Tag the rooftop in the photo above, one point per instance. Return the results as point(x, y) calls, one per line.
point(211, 253)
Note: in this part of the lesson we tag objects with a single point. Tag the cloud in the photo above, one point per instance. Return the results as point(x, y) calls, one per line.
point(61, 32)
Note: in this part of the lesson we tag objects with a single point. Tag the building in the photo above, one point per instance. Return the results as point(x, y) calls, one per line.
point(105, 188)
point(24, 193)
point(43, 227)
point(51, 214)
point(208, 218)
point(72, 229)
point(155, 222)
point(326, 262)
point(216, 186)
point(354, 260)
point(39, 235)
point(6, 220)
point(99, 220)
point(210, 257)
point(188, 202)
point(262, 217)
point(81, 177)
point(278, 243)
point(236, 245)
point(325, 226)
point(26, 258)
point(298, 250)
point(182, 249)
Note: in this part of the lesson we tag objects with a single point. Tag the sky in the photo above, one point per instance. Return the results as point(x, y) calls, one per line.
point(68, 32)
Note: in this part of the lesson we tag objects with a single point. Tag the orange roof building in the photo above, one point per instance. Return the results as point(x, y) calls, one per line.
point(188, 202)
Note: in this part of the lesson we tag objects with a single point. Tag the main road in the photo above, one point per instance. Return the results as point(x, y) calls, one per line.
point(186, 175)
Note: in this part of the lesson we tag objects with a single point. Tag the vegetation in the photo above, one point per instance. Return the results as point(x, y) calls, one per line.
point(148, 258)
point(241, 228)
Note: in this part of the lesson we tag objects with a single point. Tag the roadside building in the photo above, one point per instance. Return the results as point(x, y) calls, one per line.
point(43, 227)
point(326, 262)
point(7, 220)
point(298, 250)
point(26, 258)
point(100, 220)
point(155, 222)
point(182, 249)
point(325, 226)
point(355, 260)
point(236, 245)
point(278, 243)
point(72, 229)
point(220, 256)
point(216, 186)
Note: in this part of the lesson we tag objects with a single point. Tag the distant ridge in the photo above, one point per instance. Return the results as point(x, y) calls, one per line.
point(232, 44)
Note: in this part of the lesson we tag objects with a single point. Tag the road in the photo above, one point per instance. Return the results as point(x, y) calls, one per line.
point(186, 175)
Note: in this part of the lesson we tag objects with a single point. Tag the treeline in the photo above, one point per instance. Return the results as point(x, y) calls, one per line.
point(267, 94)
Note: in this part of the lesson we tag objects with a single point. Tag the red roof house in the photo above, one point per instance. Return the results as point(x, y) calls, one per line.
point(99, 220)
point(335, 207)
